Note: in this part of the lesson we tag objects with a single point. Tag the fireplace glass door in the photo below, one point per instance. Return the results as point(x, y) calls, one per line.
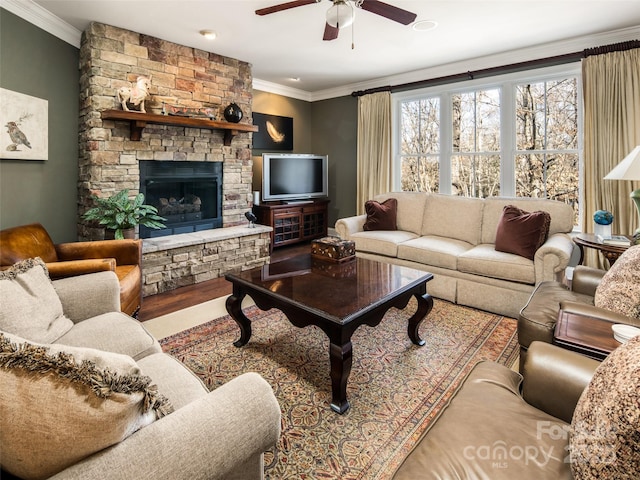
point(187, 194)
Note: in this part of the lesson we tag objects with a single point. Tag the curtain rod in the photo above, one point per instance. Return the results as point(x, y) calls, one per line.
point(503, 69)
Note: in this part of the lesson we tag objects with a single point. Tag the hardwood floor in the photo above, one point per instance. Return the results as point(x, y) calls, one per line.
point(167, 302)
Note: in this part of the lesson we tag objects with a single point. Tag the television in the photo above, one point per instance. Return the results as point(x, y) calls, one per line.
point(294, 177)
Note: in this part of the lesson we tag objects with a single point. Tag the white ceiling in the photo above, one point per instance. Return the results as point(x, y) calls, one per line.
point(289, 43)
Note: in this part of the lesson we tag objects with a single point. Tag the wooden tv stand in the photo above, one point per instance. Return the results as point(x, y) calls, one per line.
point(293, 222)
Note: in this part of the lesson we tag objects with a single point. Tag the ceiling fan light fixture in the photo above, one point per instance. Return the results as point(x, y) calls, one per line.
point(425, 25)
point(341, 14)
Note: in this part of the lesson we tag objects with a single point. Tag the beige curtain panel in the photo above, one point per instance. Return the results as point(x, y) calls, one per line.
point(374, 147)
point(611, 85)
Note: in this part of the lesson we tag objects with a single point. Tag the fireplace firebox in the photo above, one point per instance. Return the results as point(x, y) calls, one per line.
point(187, 194)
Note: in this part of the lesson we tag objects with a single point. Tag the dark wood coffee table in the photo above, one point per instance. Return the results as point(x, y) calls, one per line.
point(336, 297)
point(589, 336)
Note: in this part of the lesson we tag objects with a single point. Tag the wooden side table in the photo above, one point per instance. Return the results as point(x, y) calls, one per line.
point(589, 240)
point(589, 336)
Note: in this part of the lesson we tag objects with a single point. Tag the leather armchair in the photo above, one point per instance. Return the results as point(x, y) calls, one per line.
point(124, 257)
point(500, 424)
point(537, 319)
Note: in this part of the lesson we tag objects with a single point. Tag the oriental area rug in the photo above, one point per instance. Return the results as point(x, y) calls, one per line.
point(395, 389)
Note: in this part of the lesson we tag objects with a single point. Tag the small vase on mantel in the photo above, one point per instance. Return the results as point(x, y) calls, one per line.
point(233, 113)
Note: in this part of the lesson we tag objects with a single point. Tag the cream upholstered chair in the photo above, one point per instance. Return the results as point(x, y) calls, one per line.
point(87, 392)
point(124, 257)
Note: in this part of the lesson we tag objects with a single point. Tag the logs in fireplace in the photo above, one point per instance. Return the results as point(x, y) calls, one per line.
point(187, 194)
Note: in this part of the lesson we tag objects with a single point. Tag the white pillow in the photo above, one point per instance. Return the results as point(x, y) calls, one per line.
point(30, 306)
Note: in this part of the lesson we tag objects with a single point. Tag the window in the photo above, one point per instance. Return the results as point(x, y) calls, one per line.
point(515, 135)
point(547, 140)
point(420, 145)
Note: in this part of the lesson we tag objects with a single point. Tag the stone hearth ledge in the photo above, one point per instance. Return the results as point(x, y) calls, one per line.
point(170, 242)
point(185, 259)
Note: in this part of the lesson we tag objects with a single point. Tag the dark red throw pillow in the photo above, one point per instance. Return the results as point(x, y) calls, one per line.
point(522, 232)
point(381, 216)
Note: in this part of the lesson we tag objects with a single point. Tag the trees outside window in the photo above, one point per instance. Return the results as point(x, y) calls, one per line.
point(513, 136)
point(547, 164)
point(420, 145)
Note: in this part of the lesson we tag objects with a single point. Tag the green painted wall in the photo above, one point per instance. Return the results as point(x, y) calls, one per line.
point(334, 123)
point(327, 127)
point(36, 63)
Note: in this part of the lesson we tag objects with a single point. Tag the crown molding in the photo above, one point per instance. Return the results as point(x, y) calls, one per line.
point(270, 87)
point(42, 18)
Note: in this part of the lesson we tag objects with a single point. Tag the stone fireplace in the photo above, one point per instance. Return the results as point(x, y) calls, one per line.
point(111, 153)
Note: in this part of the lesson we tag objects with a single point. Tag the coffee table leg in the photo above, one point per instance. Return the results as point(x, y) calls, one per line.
point(234, 307)
point(425, 304)
point(341, 358)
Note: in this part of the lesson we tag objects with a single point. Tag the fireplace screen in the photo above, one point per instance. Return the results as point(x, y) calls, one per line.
point(187, 194)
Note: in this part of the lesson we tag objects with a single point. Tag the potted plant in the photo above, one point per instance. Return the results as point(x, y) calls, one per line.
point(120, 214)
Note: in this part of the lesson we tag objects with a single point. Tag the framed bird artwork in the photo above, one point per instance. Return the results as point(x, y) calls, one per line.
point(24, 126)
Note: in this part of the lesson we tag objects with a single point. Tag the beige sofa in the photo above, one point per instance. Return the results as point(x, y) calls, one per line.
point(218, 434)
point(453, 238)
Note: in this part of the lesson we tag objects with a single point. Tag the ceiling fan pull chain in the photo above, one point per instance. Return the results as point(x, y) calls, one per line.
point(353, 28)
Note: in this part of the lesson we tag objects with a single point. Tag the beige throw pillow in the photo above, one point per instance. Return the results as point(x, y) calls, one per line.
point(60, 404)
point(30, 306)
point(619, 289)
point(605, 430)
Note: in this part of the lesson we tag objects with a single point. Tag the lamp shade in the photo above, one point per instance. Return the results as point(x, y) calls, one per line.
point(341, 14)
point(628, 168)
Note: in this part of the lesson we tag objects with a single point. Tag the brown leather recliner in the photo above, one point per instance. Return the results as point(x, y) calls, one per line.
point(124, 257)
point(537, 319)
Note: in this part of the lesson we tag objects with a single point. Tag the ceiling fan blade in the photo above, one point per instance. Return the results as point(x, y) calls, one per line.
point(284, 6)
point(330, 33)
point(389, 11)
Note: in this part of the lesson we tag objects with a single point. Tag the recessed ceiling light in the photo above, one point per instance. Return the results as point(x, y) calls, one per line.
point(208, 34)
point(294, 79)
point(425, 25)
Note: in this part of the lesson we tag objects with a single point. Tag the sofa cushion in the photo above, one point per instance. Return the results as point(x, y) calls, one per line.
point(619, 289)
point(410, 208)
point(112, 332)
point(521, 232)
point(382, 242)
point(486, 261)
point(605, 430)
point(381, 216)
point(31, 307)
point(60, 404)
point(562, 215)
point(448, 216)
point(176, 382)
point(488, 431)
point(434, 251)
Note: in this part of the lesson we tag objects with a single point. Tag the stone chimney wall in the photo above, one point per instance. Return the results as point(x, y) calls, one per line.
point(111, 58)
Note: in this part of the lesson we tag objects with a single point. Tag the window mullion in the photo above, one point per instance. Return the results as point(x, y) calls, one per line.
point(446, 143)
point(508, 139)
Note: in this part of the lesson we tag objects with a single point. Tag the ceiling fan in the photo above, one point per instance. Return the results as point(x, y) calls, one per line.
point(342, 13)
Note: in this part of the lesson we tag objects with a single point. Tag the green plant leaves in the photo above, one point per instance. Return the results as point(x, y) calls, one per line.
point(119, 212)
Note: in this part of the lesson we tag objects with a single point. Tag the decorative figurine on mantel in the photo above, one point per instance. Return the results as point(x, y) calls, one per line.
point(135, 95)
point(252, 219)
